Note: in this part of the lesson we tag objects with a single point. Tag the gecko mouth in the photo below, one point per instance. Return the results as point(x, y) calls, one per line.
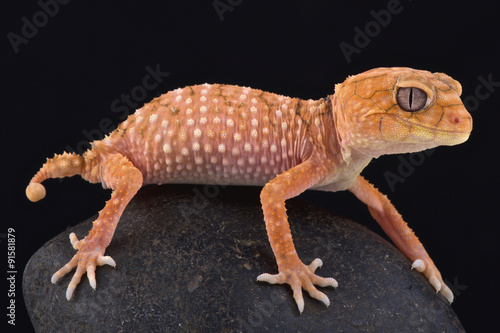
point(434, 129)
point(430, 129)
point(423, 133)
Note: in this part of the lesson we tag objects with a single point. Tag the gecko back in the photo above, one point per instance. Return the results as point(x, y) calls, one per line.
point(216, 134)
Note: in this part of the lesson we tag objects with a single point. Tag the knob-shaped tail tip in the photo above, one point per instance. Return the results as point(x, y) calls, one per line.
point(35, 192)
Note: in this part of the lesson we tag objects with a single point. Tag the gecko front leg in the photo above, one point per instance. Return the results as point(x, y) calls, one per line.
point(291, 269)
point(396, 228)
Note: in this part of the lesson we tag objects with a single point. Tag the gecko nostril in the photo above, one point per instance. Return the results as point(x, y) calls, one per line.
point(456, 120)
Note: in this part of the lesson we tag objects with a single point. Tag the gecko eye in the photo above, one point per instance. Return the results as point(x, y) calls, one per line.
point(411, 98)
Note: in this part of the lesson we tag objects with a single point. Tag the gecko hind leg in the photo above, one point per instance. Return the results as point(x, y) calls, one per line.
point(114, 171)
point(118, 173)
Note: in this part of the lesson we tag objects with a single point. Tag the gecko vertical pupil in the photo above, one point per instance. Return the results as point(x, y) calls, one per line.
point(411, 98)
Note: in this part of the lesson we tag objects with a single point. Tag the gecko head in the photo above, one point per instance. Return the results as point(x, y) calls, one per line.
point(400, 110)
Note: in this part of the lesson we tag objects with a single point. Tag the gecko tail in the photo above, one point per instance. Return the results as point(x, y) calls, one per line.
point(64, 165)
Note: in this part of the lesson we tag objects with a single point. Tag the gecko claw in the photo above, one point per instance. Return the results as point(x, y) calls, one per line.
point(74, 241)
point(434, 277)
point(302, 277)
point(419, 265)
point(434, 281)
point(85, 261)
point(105, 260)
point(315, 264)
point(442, 288)
point(299, 299)
point(447, 293)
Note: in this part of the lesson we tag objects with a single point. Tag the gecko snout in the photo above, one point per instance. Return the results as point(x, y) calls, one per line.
point(460, 121)
point(455, 127)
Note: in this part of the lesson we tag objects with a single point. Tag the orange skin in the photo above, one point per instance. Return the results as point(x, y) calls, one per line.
point(236, 135)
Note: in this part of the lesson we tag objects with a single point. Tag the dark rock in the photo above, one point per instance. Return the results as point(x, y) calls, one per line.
point(188, 258)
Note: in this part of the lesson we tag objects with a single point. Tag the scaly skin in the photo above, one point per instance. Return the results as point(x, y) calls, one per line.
point(236, 135)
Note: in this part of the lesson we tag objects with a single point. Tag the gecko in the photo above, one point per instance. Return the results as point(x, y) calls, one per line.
point(216, 133)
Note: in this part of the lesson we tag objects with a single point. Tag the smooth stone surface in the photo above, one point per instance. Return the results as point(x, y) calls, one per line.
point(188, 258)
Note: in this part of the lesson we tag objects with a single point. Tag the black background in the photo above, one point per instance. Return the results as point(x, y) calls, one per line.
point(64, 79)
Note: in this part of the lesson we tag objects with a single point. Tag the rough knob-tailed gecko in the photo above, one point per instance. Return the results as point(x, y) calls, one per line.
point(215, 133)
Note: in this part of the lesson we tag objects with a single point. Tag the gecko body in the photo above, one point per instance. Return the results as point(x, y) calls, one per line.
point(223, 134)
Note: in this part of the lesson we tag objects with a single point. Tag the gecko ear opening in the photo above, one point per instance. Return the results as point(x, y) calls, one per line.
point(411, 98)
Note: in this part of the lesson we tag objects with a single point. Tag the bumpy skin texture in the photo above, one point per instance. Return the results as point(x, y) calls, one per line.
point(222, 134)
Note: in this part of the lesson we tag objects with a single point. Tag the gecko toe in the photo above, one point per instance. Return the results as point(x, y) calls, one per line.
point(91, 275)
point(271, 278)
point(325, 282)
point(74, 241)
point(319, 296)
point(434, 277)
point(77, 277)
point(315, 264)
point(419, 265)
point(64, 270)
point(447, 293)
point(105, 260)
point(442, 288)
point(299, 298)
point(434, 281)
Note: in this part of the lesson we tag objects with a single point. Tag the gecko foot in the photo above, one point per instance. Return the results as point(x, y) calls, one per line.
point(302, 276)
point(85, 260)
point(434, 277)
